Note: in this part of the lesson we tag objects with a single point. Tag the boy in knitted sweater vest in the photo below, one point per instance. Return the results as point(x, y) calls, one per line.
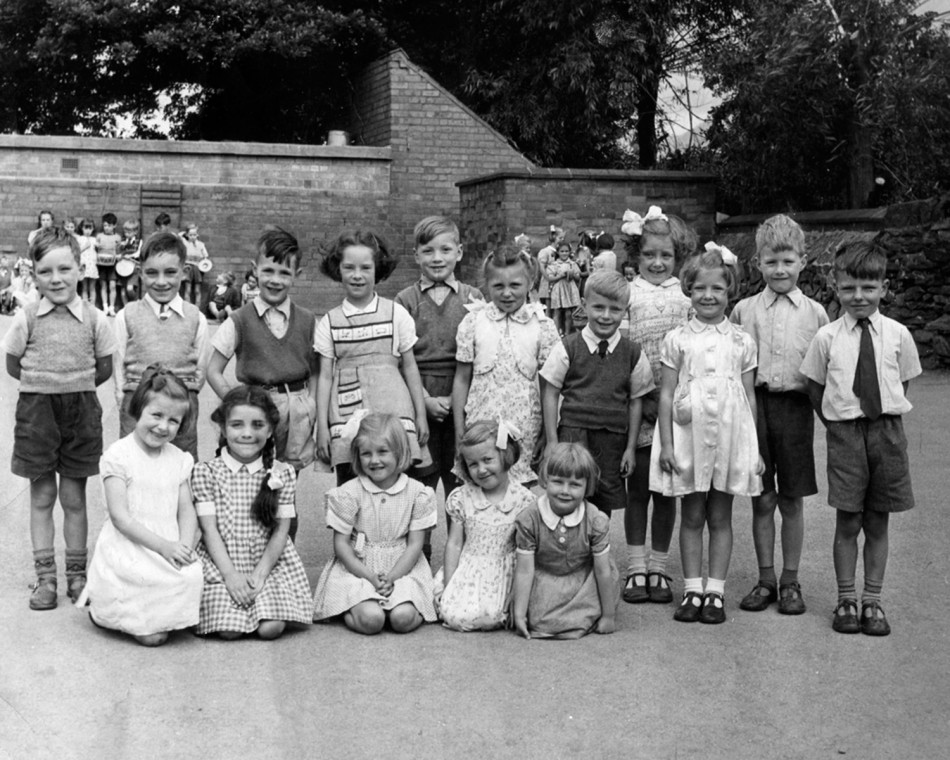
point(600, 378)
point(59, 348)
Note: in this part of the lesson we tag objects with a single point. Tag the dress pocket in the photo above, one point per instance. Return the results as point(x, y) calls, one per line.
point(682, 405)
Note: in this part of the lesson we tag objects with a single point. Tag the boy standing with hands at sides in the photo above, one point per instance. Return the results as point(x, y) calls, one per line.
point(161, 328)
point(782, 320)
point(858, 369)
point(107, 243)
point(59, 348)
point(272, 340)
point(600, 378)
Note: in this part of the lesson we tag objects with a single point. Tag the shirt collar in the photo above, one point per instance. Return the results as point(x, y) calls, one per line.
point(875, 319)
point(522, 315)
point(425, 283)
point(551, 520)
point(349, 309)
point(177, 305)
point(592, 340)
point(697, 327)
point(504, 506)
point(640, 282)
point(795, 296)
point(395, 488)
point(261, 306)
point(235, 466)
point(74, 307)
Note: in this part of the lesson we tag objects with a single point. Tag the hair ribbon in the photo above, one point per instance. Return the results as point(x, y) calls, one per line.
point(633, 222)
point(728, 257)
point(352, 426)
point(506, 431)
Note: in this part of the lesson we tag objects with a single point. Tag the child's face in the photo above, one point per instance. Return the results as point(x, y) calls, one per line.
point(629, 274)
point(46, 220)
point(358, 274)
point(107, 228)
point(275, 279)
point(159, 421)
point(246, 432)
point(88, 229)
point(252, 282)
point(192, 234)
point(657, 258)
point(710, 295)
point(564, 253)
point(161, 276)
point(379, 463)
point(129, 231)
point(603, 314)
point(780, 268)
point(508, 287)
point(859, 297)
point(565, 494)
point(484, 466)
point(438, 257)
point(57, 275)
point(69, 225)
point(220, 281)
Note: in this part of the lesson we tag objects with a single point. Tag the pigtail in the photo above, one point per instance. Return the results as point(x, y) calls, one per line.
point(264, 507)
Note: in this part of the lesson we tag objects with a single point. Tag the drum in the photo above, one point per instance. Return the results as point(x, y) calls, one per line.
point(205, 265)
point(125, 267)
point(105, 259)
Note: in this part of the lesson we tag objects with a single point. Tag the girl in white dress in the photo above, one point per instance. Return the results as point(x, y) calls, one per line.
point(480, 549)
point(707, 450)
point(144, 579)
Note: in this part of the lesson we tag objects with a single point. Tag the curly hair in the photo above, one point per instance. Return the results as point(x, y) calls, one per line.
point(384, 257)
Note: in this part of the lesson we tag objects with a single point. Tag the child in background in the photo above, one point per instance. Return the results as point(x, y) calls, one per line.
point(44, 221)
point(365, 345)
point(107, 243)
point(69, 224)
point(193, 279)
point(225, 298)
point(379, 520)
point(546, 257)
point(250, 289)
point(658, 243)
point(566, 584)
point(88, 260)
point(254, 581)
point(604, 257)
point(23, 287)
point(144, 579)
point(707, 451)
point(161, 328)
point(501, 346)
point(6, 283)
point(594, 381)
point(563, 275)
point(480, 548)
point(782, 320)
point(129, 248)
point(436, 303)
point(163, 222)
point(858, 369)
point(59, 348)
point(583, 256)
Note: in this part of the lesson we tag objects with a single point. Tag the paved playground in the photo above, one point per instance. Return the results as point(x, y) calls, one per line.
point(760, 686)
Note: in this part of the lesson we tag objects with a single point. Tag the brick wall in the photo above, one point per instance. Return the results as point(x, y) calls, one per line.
point(497, 207)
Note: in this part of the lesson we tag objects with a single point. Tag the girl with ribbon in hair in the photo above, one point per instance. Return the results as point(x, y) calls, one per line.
point(254, 581)
point(707, 450)
point(480, 550)
point(379, 521)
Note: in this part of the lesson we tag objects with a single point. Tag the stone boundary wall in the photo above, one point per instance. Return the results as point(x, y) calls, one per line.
point(916, 237)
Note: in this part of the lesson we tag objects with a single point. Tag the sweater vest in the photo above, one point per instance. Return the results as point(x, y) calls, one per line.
point(170, 342)
point(436, 326)
point(60, 354)
point(262, 358)
point(596, 391)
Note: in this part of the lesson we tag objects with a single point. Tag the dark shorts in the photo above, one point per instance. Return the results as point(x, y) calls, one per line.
point(441, 443)
point(868, 466)
point(607, 449)
point(187, 438)
point(57, 432)
point(786, 432)
point(106, 272)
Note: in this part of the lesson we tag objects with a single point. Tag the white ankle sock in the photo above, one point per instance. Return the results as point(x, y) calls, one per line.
point(693, 584)
point(658, 560)
point(715, 586)
point(636, 558)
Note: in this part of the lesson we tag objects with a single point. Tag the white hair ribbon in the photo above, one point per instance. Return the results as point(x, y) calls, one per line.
point(506, 430)
point(352, 426)
point(633, 222)
point(522, 240)
point(728, 257)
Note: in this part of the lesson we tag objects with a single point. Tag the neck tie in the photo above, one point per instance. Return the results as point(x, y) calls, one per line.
point(163, 312)
point(865, 375)
point(602, 348)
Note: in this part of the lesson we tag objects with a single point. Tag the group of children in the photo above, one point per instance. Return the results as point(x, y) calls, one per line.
point(483, 394)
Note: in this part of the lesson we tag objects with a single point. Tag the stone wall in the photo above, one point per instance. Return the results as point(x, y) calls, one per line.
point(502, 205)
point(916, 237)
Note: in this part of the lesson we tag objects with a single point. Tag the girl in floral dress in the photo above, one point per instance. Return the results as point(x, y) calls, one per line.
point(480, 550)
point(501, 346)
point(564, 274)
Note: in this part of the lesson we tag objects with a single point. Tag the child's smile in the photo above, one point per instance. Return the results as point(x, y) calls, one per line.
point(565, 494)
point(379, 463)
point(710, 295)
point(159, 421)
point(657, 258)
point(508, 288)
point(484, 466)
point(275, 280)
point(438, 257)
point(57, 275)
point(358, 274)
point(246, 432)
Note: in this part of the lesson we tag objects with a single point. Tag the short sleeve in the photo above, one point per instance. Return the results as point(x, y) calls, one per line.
point(750, 353)
point(114, 464)
point(526, 531)
point(14, 342)
point(286, 507)
point(549, 339)
point(599, 533)
point(671, 352)
point(103, 336)
point(465, 340)
point(322, 340)
point(405, 328)
point(815, 364)
point(556, 365)
point(203, 488)
point(225, 339)
point(736, 316)
point(424, 514)
point(641, 379)
point(342, 508)
point(454, 506)
point(908, 359)
point(186, 465)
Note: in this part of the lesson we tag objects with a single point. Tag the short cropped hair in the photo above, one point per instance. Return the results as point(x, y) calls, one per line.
point(433, 226)
point(861, 260)
point(505, 257)
point(110, 218)
point(478, 432)
point(279, 245)
point(163, 220)
point(706, 260)
point(384, 257)
point(609, 284)
point(50, 238)
point(381, 427)
point(569, 460)
point(780, 233)
point(164, 242)
point(605, 242)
